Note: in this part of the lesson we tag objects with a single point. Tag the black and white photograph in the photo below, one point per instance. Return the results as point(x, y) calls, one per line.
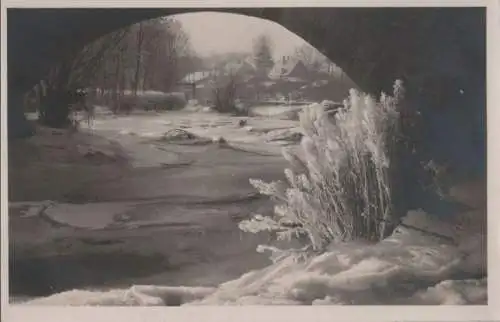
point(243, 156)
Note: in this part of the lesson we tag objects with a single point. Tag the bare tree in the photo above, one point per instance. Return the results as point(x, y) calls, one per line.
point(167, 47)
point(147, 55)
point(140, 41)
point(311, 57)
point(94, 55)
point(224, 91)
point(76, 70)
point(262, 54)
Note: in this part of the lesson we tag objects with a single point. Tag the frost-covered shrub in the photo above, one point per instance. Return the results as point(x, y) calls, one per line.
point(339, 184)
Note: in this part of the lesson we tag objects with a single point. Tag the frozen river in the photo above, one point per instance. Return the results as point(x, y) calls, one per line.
point(171, 220)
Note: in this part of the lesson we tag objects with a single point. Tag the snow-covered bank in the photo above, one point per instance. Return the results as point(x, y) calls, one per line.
point(53, 162)
point(409, 267)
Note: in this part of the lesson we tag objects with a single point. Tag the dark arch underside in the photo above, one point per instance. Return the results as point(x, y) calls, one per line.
point(439, 52)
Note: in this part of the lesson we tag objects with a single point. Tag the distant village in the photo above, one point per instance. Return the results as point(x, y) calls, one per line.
point(289, 80)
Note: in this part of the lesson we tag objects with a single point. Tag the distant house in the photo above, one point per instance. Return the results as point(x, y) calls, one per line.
point(289, 69)
point(193, 84)
point(250, 82)
point(195, 77)
point(287, 76)
point(198, 85)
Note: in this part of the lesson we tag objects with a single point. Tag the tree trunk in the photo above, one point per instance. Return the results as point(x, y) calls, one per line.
point(115, 102)
point(126, 107)
point(54, 107)
point(140, 39)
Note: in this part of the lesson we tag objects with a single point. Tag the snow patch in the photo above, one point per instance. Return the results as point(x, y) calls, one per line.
point(409, 267)
point(286, 135)
point(140, 295)
point(87, 216)
point(451, 292)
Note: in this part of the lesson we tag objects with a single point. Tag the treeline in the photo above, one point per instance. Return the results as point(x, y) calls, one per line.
point(151, 55)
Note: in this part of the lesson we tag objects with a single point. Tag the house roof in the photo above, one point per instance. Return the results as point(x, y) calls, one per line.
point(244, 66)
point(284, 67)
point(196, 76)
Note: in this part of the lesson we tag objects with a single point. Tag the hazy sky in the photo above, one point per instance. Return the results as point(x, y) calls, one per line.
point(212, 32)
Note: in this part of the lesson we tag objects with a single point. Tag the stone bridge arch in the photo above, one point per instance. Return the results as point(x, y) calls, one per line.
point(373, 45)
point(438, 52)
